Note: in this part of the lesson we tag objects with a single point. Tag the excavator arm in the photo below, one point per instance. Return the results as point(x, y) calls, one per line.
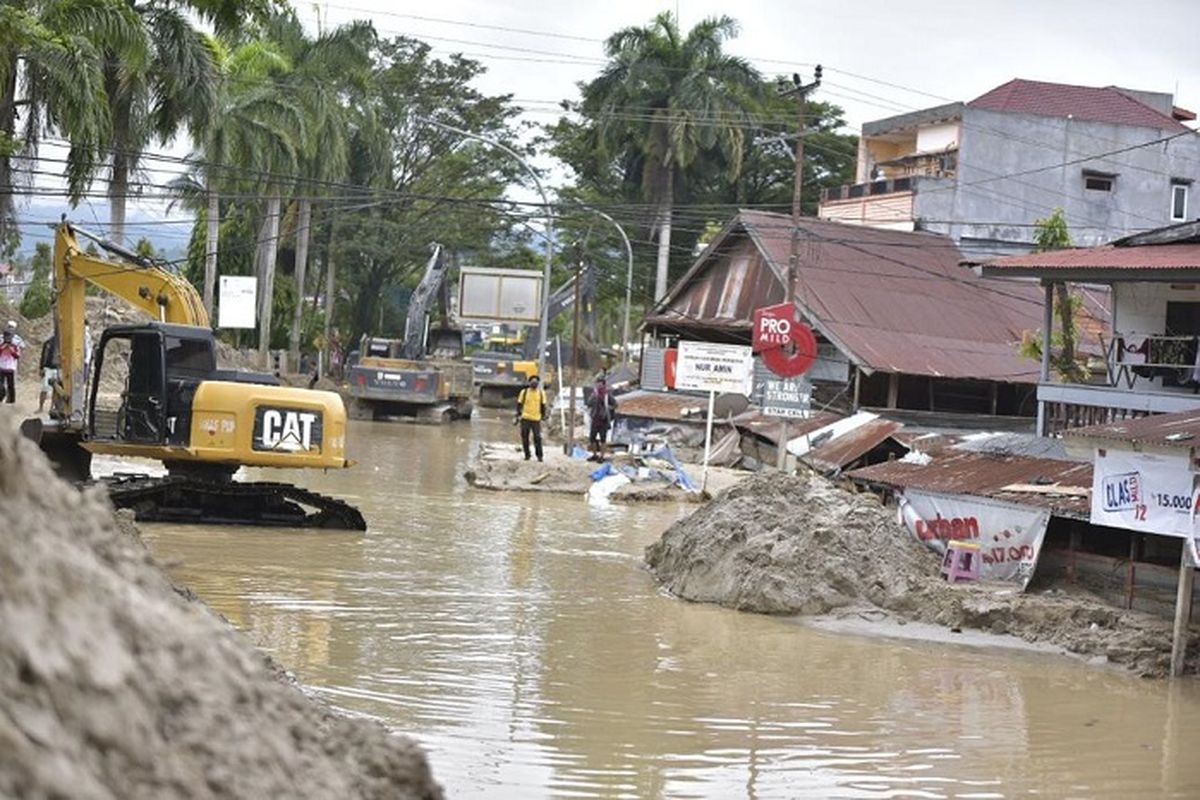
point(423, 297)
point(143, 283)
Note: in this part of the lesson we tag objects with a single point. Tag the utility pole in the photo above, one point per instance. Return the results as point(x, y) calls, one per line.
point(570, 444)
point(800, 91)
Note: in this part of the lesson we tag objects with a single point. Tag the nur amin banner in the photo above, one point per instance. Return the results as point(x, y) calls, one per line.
point(1009, 536)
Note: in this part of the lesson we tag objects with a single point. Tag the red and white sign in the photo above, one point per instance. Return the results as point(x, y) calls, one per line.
point(788, 346)
point(1009, 536)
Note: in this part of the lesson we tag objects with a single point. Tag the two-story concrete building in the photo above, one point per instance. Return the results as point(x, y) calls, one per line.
point(1118, 161)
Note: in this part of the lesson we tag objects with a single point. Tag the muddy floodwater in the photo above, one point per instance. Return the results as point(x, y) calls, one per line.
point(518, 638)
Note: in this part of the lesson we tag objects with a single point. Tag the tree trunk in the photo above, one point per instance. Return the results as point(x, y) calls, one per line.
point(118, 191)
point(8, 129)
point(666, 205)
point(210, 246)
point(270, 251)
point(330, 295)
point(1066, 320)
point(303, 224)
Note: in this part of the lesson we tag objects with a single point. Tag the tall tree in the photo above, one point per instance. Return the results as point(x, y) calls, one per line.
point(1051, 233)
point(324, 70)
point(664, 104)
point(51, 82)
point(152, 90)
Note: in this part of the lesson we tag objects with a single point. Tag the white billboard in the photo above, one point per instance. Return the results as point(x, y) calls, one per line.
point(237, 296)
point(721, 368)
point(499, 295)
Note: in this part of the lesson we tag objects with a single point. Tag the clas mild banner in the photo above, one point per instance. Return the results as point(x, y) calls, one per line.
point(1009, 536)
point(1145, 492)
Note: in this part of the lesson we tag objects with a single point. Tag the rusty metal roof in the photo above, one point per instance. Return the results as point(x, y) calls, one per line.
point(662, 405)
point(1097, 103)
point(1171, 259)
point(849, 447)
point(988, 475)
point(892, 301)
point(769, 428)
point(1178, 430)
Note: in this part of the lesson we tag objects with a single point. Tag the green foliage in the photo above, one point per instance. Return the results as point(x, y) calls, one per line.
point(1051, 233)
point(38, 298)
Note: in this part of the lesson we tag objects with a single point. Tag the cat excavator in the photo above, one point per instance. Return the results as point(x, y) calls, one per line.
point(155, 391)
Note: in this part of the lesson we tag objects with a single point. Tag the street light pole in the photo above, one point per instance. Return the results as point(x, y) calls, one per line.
point(545, 325)
point(628, 279)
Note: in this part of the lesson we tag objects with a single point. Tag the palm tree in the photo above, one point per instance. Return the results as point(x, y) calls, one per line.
point(153, 91)
point(323, 69)
point(665, 103)
point(243, 122)
point(51, 82)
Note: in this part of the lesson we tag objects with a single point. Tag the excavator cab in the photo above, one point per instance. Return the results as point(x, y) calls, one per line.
point(129, 391)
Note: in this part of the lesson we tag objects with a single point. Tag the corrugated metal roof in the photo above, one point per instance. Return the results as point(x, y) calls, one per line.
point(1096, 103)
point(1164, 257)
point(663, 405)
point(848, 448)
point(770, 428)
point(987, 475)
point(1178, 430)
point(893, 301)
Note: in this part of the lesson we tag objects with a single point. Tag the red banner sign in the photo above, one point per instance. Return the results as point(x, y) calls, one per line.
point(788, 346)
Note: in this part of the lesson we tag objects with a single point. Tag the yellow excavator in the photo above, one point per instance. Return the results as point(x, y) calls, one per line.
point(155, 391)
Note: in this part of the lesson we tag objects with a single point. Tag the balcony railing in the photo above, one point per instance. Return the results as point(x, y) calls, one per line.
point(857, 190)
point(1063, 406)
point(1173, 359)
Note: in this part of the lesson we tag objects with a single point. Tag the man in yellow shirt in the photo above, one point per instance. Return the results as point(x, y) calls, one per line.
point(531, 410)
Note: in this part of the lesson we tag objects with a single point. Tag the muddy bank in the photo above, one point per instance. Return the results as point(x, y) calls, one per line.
point(116, 684)
point(801, 545)
point(501, 467)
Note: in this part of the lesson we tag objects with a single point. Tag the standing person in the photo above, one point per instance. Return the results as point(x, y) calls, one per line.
point(531, 410)
point(10, 355)
point(49, 368)
point(602, 407)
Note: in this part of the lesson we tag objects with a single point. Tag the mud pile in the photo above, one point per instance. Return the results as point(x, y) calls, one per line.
point(114, 684)
point(786, 545)
point(802, 545)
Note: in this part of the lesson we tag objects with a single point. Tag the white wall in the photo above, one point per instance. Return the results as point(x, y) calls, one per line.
point(1142, 307)
point(937, 137)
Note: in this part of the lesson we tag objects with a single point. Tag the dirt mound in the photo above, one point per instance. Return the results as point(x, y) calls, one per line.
point(114, 684)
point(785, 545)
point(802, 545)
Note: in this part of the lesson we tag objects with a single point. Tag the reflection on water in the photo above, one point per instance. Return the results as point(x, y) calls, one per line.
point(519, 640)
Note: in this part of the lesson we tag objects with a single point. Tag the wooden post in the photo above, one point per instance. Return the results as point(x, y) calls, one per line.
point(893, 389)
point(712, 399)
point(1047, 325)
point(1131, 575)
point(995, 397)
point(857, 385)
point(569, 446)
point(1183, 610)
point(781, 454)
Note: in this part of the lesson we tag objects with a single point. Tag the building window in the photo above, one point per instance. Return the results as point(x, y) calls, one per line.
point(1179, 201)
point(1098, 181)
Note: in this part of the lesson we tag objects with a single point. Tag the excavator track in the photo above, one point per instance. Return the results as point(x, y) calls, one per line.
point(176, 498)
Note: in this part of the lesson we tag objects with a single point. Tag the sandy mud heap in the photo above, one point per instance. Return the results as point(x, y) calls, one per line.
point(114, 684)
point(801, 545)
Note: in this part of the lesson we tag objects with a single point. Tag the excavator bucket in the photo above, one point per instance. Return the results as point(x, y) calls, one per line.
point(64, 449)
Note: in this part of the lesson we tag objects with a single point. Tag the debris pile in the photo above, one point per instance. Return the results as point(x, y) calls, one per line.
point(802, 545)
point(116, 684)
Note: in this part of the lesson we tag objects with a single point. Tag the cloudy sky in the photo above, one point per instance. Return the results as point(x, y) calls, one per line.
point(880, 57)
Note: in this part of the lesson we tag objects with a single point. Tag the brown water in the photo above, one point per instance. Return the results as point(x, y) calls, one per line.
point(519, 639)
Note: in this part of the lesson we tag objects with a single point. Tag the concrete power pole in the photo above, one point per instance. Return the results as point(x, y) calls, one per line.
point(800, 91)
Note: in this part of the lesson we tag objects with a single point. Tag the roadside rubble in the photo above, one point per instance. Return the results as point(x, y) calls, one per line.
point(114, 683)
point(623, 478)
point(803, 546)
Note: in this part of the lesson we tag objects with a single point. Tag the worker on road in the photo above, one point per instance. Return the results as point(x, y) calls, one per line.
point(602, 407)
point(10, 355)
point(531, 410)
